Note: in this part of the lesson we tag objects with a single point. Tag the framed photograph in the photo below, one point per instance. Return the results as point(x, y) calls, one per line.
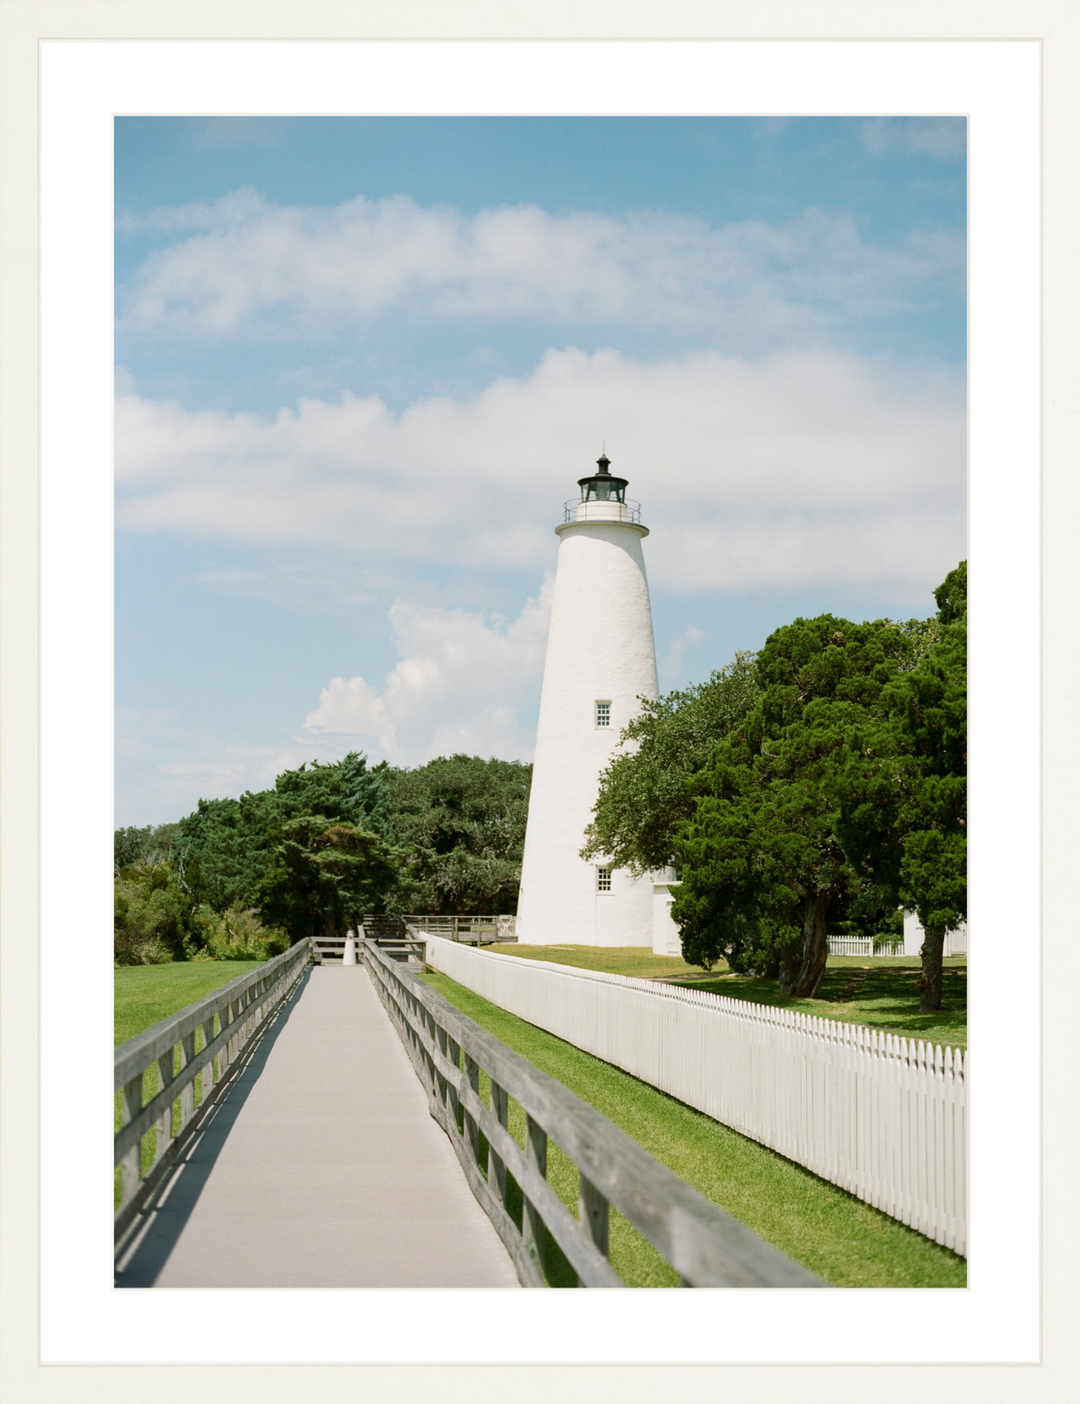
point(382, 291)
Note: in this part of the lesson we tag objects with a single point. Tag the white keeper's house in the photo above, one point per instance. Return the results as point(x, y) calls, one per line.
point(601, 659)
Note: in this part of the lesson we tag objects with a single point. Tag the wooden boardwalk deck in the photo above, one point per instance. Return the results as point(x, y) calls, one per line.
point(321, 1167)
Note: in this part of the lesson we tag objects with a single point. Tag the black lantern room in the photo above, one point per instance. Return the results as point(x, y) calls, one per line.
point(602, 486)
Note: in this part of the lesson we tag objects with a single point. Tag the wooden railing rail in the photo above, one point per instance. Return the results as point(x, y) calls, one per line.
point(471, 930)
point(162, 1064)
point(329, 950)
point(705, 1246)
point(884, 1117)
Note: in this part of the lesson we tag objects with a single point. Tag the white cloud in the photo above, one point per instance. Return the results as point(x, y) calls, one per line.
point(464, 683)
point(805, 467)
point(678, 646)
point(238, 208)
point(164, 767)
point(250, 266)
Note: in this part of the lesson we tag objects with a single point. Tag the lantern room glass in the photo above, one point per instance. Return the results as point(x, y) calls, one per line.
point(603, 486)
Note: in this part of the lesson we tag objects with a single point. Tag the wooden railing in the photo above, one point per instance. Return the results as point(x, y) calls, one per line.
point(168, 1083)
point(470, 930)
point(395, 937)
point(705, 1246)
point(884, 1117)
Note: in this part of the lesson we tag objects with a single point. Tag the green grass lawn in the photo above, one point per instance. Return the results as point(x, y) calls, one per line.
point(638, 961)
point(843, 1240)
point(143, 995)
point(880, 992)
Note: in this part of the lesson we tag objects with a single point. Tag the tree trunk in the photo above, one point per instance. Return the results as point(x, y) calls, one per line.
point(930, 984)
point(804, 982)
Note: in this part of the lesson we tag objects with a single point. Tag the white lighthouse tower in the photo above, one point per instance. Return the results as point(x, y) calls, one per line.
point(600, 660)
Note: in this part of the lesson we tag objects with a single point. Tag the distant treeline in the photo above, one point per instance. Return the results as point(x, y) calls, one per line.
point(326, 844)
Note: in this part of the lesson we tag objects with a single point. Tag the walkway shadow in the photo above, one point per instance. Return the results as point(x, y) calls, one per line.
point(141, 1262)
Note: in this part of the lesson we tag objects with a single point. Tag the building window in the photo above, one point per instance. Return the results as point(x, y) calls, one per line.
point(603, 879)
point(603, 714)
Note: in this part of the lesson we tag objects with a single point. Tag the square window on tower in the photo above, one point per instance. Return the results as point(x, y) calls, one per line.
point(603, 714)
point(603, 879)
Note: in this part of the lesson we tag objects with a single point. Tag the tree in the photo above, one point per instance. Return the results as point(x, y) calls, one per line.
point(910, 831)
point(226, 844)
point(461, 820)
point(345, 789)
point(148, 845)
point(643, 796)
point(763, 864)
point(128, 846)
point(330, 841)
point(931, 709)
point(224, 853)
point(323, 875)
point(153, 917)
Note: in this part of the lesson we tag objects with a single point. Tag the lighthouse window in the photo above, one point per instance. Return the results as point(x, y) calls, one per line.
point(603, 879)
point(603, 714)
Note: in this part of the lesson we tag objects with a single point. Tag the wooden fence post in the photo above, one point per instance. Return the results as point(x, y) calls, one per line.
point(593, 1212)
point(429, 1061)
point(451, 1086)
point(130, 1166)
point(187, 1096)
point(163, 1131)
point(440, 1080)
point(496, 1168)
point(472, 1129)
point(532, 1224)
point(208, 1070)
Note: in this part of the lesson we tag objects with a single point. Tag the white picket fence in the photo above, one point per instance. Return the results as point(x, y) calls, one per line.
point(866, 945)
point(883, 1117)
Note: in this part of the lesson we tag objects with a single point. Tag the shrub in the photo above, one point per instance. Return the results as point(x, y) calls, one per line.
point(152, 918)
point(238, 934)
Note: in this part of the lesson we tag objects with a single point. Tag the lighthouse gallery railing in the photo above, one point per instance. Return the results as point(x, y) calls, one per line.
point(574, 510)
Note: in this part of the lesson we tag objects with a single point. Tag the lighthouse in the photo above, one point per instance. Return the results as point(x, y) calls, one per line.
point(600, 661)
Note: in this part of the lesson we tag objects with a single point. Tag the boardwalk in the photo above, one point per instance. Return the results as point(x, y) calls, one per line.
point(321, 1168)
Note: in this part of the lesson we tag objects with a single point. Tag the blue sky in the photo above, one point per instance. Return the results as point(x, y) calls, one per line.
point(362, 361)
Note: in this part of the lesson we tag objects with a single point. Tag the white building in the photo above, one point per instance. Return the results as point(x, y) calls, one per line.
point(956, 942)
point(600, 660)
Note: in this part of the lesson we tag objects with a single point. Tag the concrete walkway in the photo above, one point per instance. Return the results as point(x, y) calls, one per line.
point(322, 1167)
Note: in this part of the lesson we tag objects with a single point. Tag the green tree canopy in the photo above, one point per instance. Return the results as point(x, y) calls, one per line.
point(644, 796)
point(153, 916)
point(148, 845)
point(325, 844)
point(226, 844)
point(462, 821)
point(763, 865)
point(908, 828)
point(324, 875)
